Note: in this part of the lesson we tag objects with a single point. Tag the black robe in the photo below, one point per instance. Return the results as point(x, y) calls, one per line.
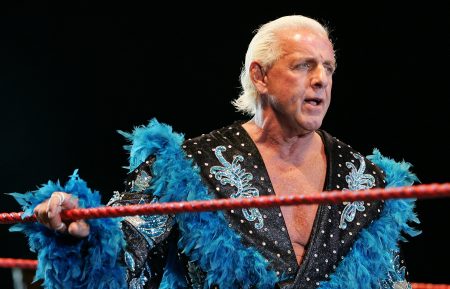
point(231, 167)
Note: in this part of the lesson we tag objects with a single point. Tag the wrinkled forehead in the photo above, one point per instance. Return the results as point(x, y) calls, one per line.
point(291, 40)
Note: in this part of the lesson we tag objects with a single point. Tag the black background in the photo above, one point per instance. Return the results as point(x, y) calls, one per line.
point(70, 76)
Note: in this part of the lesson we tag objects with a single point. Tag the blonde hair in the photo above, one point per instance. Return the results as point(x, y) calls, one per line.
point(264, 48)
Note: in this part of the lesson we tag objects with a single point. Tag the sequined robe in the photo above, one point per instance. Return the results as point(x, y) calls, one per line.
point(231, 167)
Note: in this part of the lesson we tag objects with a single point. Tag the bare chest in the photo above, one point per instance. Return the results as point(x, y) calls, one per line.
point(299, 219)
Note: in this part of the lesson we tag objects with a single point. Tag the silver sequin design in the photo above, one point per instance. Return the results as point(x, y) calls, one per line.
point(356, 180)
point(129, 260)
point(139, 282)
point(396, 276)
point(234, 175)
point(141, 183)
point(151, 226)
point(117, 196)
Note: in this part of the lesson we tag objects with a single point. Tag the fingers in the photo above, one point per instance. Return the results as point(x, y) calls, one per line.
point(70, 202)
point(40, 211)
point(49, 214)
point(60, 201)
point(54, 208)
point(62, 228)
point(79, 229)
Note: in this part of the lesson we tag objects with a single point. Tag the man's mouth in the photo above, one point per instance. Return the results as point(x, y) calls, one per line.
point(313, 101)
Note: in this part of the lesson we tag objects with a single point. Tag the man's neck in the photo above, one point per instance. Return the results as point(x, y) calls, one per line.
point(280, 141)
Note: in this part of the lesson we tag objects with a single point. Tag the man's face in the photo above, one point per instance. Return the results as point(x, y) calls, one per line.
point(298, 85)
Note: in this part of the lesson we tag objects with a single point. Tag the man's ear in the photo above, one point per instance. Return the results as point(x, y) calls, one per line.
point(258, 77)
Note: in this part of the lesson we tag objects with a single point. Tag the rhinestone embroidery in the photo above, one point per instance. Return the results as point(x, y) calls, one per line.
point(141, 183)
point(151, 226)
point(396, 276)
point(234, 175)
point(356, 180)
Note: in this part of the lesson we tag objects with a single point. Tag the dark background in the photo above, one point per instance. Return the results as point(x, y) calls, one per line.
point(70, 76)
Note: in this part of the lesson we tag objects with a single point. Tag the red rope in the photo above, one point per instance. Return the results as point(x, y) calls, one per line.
point(418, 191)
point(18, 263)
point(429, 286)
point(32, 264)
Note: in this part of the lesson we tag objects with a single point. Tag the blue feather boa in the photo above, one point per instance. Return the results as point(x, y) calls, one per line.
point(66, 262)
point(205, 237)
point(370, 260)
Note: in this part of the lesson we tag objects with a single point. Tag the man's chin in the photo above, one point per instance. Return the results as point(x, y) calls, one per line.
point(312, 125)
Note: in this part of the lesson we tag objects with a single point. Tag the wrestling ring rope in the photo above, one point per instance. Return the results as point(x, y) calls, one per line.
point(424, 191)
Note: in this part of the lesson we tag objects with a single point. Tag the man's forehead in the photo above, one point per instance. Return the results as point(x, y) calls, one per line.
point(306, 42)
point(306, 36)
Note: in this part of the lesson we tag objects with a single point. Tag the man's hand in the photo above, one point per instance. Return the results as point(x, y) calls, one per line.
point(48, 214)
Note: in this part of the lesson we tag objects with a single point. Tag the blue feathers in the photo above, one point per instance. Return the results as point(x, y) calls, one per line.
point(67, 262)
point(146, 140)
point(370, 259)
point(205, 237)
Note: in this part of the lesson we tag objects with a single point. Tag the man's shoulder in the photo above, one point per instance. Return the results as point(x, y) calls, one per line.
point(219, 133)
point(346, 156)
point(337, 145)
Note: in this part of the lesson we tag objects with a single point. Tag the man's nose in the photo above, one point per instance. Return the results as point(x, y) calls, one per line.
point(319, 77)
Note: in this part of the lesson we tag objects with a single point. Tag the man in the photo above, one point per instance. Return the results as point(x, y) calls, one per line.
point(286, 80)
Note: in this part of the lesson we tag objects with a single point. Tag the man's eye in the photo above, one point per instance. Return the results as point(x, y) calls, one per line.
point(303, 65)
point(330, 69)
